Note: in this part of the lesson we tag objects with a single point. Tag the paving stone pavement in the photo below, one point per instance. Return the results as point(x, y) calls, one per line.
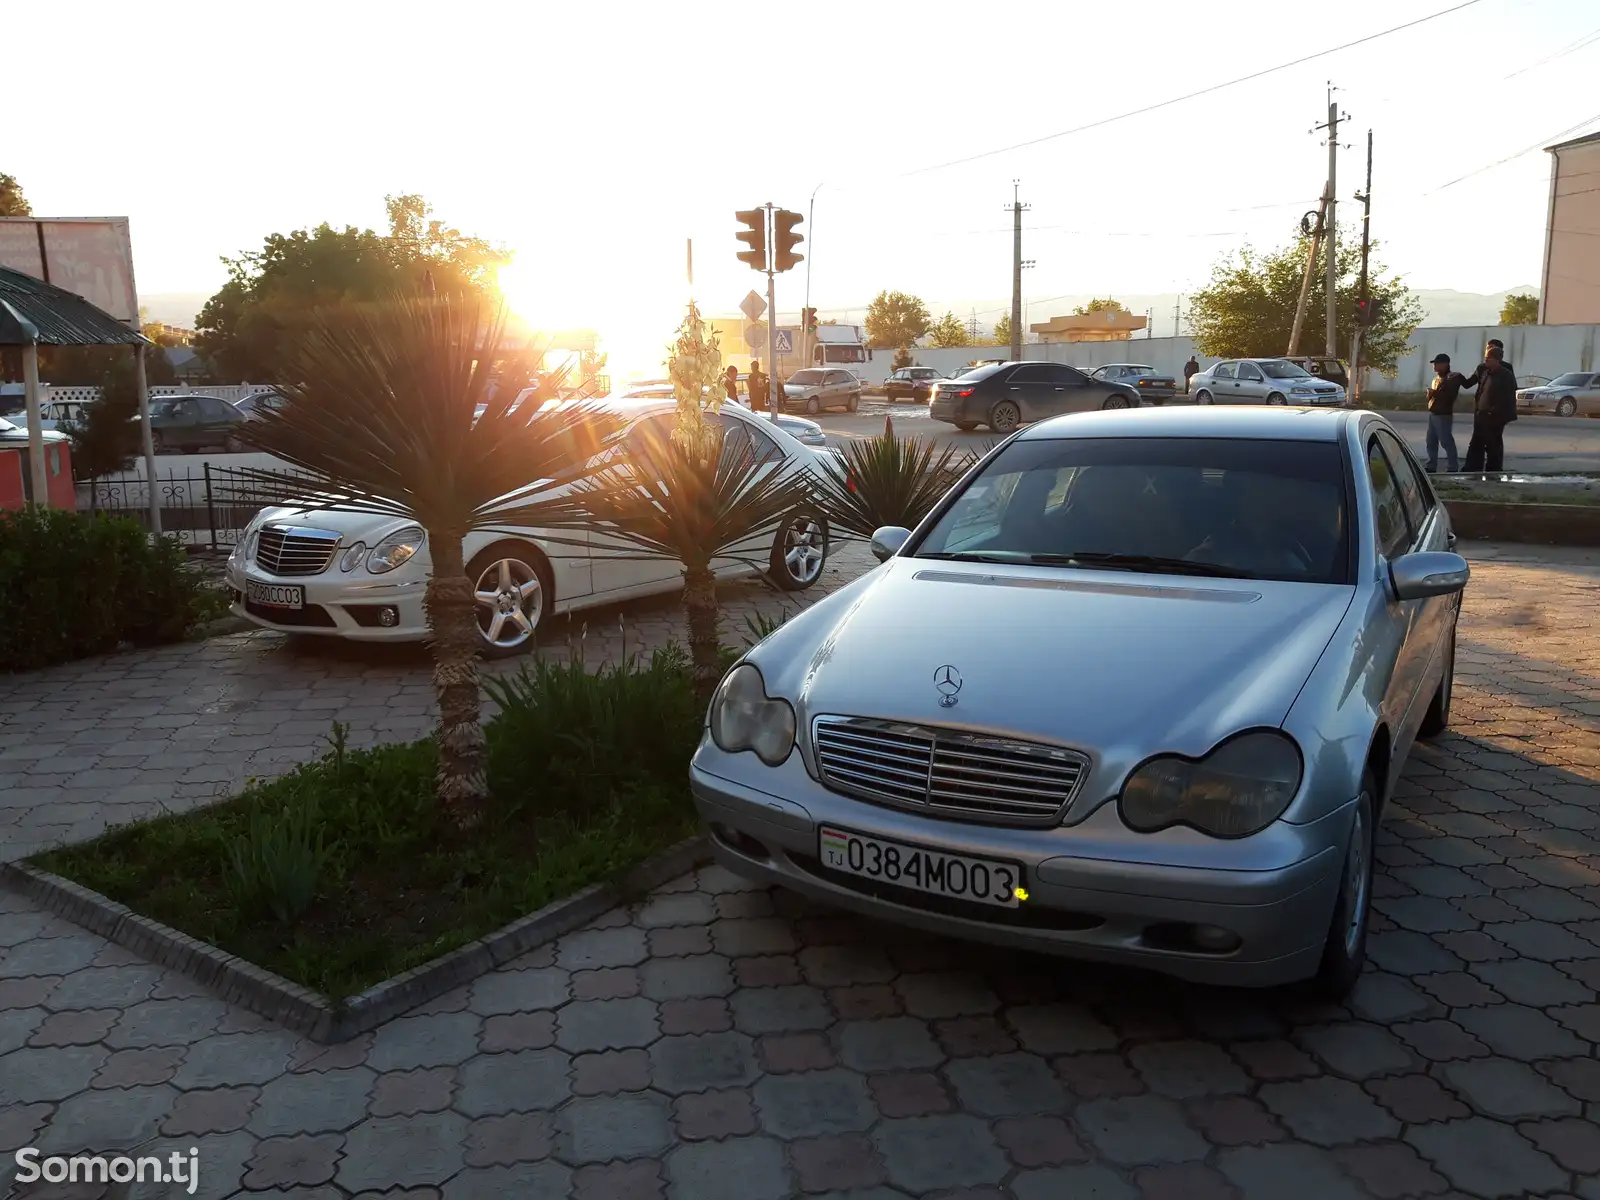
point(718, 1040)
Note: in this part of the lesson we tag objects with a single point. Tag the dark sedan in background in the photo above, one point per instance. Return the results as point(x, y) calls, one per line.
point(911, 383)
point(1152, 384)
point(181, 423)
point(1006, 395)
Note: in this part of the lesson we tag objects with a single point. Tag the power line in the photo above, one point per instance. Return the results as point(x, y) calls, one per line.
point(1586, 39)
point(1216, 87)
point(1539, 145)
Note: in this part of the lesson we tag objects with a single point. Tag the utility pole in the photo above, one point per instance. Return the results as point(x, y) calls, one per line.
point(1356, 373)
point(1177, 313)
point(1016, 269)
point(1331, 226)
point(805, 330)
point(1314, 232)
point(972, 328)
point(775, 388)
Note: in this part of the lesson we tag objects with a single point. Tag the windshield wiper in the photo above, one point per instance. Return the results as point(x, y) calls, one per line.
point(1141, 562)
point(972, 556)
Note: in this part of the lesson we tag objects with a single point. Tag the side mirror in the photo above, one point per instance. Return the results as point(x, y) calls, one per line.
point(1428, 573)
point(886, 542)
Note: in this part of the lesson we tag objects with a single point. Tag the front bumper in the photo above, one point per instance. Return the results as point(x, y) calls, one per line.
point(338, 605)
point(1084, 900)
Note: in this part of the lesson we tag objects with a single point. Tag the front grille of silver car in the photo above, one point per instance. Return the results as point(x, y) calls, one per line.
point(946, 772)
point(287, 550)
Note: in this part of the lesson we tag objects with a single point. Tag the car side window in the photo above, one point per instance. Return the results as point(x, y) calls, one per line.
point(1030, 374)
point(738, 446)
point(1414, 494)
point(766, 449)
point(218, 410)
point(1250, 372)
point(1222, 371)
point(1394, 534)
point(1070, 376)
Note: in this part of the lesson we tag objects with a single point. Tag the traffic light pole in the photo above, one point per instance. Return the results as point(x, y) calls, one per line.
point(774, 387)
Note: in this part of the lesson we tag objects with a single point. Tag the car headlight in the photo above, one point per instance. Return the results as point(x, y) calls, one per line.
point(744, 717)
point(397, 548)
point(1238, 789)
point(353, 556)
point(244, 548)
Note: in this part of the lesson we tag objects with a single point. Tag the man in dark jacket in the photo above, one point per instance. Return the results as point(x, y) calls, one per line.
point(1190, 370)
point(1496, 408)
point(1442, 391)
point(757, 384)
point(1471, 381)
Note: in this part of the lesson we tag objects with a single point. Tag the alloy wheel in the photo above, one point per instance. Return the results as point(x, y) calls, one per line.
point(1203, 397)
point(1117, 401)
point(803, 549)
point(510, 601)
point(1358, 880)
point(1005, 417)
point(1567, 407)
point(1277, 398)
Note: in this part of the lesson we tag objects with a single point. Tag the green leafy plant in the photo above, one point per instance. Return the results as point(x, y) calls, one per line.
point(73, 585)
point(274, 867)
point(886, 480)
point(759, 626)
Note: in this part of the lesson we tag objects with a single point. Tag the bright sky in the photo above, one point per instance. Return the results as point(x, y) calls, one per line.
point(595, 138)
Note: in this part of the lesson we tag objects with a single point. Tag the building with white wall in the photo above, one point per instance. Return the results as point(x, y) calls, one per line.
point(1571, 291)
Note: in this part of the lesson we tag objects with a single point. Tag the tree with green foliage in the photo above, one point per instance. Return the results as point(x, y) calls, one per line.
point(1520, 310)
point(1248, 307)
point(896, 319)
point(1094, 306)
point(948, 331)
point(12, 202)
point(245, 330)
point(1002, 331)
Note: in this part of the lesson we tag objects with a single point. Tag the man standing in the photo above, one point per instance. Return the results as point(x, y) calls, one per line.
point(1190, 370)
point(1442, 391)
point(1496, 408)
point(730, 382)
point(758, 386)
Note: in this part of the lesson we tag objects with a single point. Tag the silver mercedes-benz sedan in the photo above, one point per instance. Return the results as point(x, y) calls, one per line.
point(1137, 690)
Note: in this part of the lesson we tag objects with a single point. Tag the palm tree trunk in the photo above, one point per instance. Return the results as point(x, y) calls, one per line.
point(700, 607)
point(463, 786)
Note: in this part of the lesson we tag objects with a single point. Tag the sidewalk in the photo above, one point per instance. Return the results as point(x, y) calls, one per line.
point(719, 1041)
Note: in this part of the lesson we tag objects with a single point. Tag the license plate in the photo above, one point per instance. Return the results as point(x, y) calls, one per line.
point(275, 595)
point(981, 880)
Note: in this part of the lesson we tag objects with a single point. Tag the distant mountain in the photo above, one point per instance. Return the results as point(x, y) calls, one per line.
point(1466, 308)
point(174, 308)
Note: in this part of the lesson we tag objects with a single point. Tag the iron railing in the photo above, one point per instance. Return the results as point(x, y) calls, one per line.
point(205, 509)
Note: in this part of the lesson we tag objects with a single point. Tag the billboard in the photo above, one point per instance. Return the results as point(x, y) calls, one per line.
point(92, 256)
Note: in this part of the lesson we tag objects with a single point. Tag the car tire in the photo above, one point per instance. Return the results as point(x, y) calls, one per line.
point(1567, 406)
point(1437, 719)
point(1277, 398)
point(1004, 417)
point(813, 406)
point(522, 564)
point(1116, 401)
point(158, 443)
point(966, 426)
point(1202, 397)
point(233, 445)
point(799, 552)
point(853, 403)
point(1345, 951)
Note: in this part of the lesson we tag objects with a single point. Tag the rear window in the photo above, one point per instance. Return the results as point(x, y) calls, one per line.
point(808, 378)
point(1240, 508)
point(978, 373)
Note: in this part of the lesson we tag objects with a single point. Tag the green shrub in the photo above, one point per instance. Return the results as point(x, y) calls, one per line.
point(274, 867)
point(74, 585)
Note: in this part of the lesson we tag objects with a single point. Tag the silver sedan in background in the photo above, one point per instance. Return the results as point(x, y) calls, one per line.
point(1577, 393)
point(1139, 689)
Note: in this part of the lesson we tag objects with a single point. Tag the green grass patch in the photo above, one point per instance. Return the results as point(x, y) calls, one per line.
point(344, 872)
point(1521, 489)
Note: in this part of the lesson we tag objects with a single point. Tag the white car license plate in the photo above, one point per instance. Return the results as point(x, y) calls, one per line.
point(275, 595)
point(981, 880)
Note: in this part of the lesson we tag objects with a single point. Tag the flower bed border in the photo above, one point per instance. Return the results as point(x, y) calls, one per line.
point(308, 1013)
point(1537, 524)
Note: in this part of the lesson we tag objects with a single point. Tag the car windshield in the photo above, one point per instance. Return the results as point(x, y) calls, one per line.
point(807, 378)
point(1240, 508)
point(1570, 379)
point(170, 409)
point(1282, 368)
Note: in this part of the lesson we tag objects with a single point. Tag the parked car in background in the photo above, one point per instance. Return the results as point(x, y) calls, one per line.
point(1577, 393)
point(807, 433)
point(1262, 381)
point(184, 423)
point(911, 383)
point(254, 405)
point(1533, 381)
point(1153, 385)
point(361, 576)
point(1333, 370)
point(1183, 657)
point(1004, 396)
point(817, 388)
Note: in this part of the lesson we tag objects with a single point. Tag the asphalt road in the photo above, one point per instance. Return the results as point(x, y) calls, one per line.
point(1539, 444)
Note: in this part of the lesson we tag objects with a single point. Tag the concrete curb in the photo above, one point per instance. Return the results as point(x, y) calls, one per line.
point(1533, 524)
point(306, 1012)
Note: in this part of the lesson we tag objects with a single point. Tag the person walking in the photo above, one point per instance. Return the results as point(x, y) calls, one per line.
point(1443, 389)
point(1190, 370)
point(730, 382)
point(1496, 407)
point(758, 386)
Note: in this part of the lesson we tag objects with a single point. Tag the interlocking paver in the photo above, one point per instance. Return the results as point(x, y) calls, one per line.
point(760, 1022)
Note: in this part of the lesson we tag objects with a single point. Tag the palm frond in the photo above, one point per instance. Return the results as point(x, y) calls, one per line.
point(669, 501)
point(887, 481)
point(384, 419)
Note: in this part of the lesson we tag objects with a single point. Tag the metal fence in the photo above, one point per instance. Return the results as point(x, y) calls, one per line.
point(206, 509)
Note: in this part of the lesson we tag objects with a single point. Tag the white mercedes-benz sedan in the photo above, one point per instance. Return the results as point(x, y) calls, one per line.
point(361, 576)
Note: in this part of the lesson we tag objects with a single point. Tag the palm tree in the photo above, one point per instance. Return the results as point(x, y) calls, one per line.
point(887, 481)
point(681, 497)
point(383, 420)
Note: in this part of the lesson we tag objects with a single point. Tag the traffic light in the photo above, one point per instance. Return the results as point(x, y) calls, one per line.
point(1362, 319)
point(785, 239)
point(753, 236)
point(808, 320)
point(1374, 310)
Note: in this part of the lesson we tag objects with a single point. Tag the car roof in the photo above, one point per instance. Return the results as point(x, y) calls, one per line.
point(1230, 421)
